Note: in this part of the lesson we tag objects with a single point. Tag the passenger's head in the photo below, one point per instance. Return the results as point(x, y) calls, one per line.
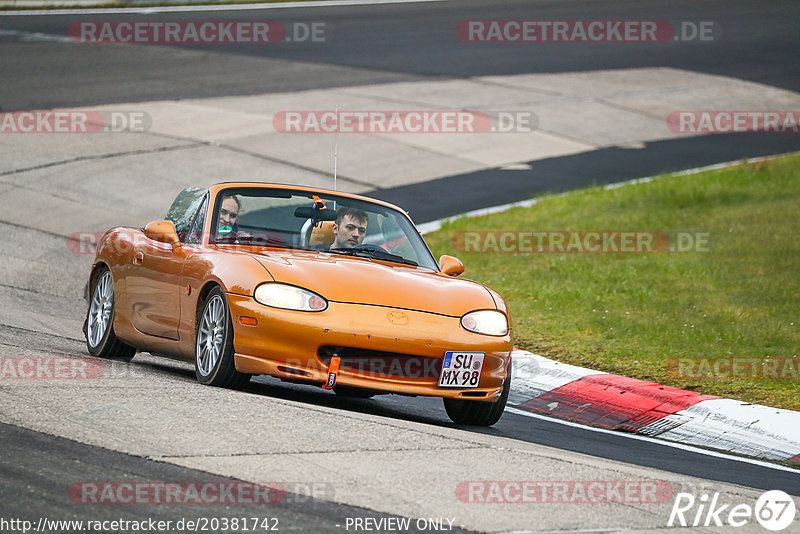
point(349, 228)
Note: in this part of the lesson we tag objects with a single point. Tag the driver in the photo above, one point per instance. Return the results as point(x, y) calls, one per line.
point(229, 211)
point(228, 230)
point(349, 228)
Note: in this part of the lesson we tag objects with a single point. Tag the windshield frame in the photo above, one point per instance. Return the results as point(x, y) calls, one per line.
point(425, 257)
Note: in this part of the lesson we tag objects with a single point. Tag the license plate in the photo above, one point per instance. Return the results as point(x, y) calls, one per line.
point(461, 369)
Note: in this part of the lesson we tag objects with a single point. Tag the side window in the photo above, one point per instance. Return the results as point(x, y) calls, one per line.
point(194, 233)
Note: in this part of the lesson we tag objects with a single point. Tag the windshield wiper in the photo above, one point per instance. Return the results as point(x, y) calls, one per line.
point(288, 246)
point(375, 252)
point(245, 242)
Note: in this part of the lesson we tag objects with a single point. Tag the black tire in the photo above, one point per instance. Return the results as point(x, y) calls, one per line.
point(478, 413)
point(101, 341)
point(213, 347)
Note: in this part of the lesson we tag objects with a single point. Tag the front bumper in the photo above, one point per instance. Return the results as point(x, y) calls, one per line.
point(382, 348)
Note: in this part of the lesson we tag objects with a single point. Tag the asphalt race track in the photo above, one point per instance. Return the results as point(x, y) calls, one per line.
point(335, 458)
point(370, 44)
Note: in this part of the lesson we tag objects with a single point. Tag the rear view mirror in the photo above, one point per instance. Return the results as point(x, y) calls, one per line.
point(163, 232)
point(305, 212)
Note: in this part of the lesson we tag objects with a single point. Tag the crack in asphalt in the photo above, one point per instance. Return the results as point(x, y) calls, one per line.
point(192, 143)
point(34, 291)
point(39, 230)
point(331, 451)
point(95, 157)
point(36, 332)
point(57, 351)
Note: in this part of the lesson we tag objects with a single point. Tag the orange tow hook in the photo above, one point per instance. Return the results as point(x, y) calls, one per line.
point(333, 368)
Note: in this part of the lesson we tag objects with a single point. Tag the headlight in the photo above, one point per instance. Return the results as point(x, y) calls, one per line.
point(489, 322)
point(289, 297)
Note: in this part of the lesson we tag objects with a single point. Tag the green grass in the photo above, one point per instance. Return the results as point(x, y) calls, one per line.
point(631, 313)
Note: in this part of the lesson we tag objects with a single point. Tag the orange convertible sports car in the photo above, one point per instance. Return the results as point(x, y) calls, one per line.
point(307, 285)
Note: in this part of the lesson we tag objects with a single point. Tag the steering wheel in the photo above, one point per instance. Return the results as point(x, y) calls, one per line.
point(369, 246)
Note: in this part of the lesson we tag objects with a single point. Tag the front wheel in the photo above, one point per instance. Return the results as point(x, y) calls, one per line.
point(214, 362)
point(478, 413)
point(101, 341)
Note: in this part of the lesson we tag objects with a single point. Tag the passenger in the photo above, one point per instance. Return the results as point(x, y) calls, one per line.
point(350, 228)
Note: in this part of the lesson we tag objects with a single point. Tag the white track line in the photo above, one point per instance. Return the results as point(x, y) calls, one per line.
point(197, 8)
point(32, 37)
point(672, 444)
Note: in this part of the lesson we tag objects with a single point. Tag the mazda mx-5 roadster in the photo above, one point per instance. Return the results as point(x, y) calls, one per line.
point(303, 284)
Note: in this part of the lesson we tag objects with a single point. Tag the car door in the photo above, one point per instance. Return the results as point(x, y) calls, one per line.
point(154, 281)
point(154, 287)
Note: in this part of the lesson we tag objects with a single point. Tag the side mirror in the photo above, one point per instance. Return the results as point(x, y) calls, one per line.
point(163, 232)
point(450, 265)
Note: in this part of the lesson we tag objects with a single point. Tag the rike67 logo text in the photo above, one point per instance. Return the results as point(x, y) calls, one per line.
point(774, 510)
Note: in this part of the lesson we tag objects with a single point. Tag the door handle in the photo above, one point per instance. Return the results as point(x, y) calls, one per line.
point(138, 258)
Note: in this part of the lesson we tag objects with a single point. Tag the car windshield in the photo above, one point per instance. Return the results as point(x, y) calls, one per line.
point(285, 218)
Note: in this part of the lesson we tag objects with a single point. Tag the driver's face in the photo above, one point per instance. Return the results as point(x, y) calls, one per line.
point(350, 233)
point(229, 212)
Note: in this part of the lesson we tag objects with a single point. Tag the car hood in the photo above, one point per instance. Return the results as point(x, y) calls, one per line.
point(341, 278)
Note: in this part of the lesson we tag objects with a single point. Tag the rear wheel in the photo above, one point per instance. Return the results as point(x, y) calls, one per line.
point(214, 362)
point(477, 413)
point(99, 327)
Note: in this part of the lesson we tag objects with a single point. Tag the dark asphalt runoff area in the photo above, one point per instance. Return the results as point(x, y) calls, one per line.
point(387, 43)
point(454, 195)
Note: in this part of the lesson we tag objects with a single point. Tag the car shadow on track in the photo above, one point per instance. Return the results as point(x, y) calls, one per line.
point(421, 409)
point(417, 409)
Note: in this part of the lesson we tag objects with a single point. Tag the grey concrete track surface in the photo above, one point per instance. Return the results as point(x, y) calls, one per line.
point(387, 456)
